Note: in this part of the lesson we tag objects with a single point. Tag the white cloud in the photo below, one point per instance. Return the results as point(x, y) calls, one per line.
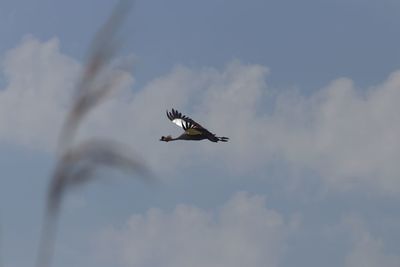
point(367, 250)
point(223, 101)
point(243, 232)
point(39, 80)
point(347, 135)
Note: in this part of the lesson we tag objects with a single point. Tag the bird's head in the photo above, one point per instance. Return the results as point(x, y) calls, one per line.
point(166, 138)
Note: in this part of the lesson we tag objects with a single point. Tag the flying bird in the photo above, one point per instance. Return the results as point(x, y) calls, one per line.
point(193, 130)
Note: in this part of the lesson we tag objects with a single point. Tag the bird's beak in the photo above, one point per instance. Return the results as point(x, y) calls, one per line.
point(165, 138)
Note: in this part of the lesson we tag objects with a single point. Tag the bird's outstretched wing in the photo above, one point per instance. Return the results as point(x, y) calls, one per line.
point(182, 120)
point(193, 130)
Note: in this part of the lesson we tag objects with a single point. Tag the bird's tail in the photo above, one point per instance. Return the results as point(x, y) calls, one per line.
point(215, 139)
point(222, 138)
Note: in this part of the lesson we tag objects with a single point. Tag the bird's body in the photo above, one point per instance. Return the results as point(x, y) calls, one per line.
point(193, 130)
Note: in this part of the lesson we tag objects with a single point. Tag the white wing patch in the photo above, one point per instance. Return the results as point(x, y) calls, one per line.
point(179, 122)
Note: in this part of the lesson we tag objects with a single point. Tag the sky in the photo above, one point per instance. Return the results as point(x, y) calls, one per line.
point(307, 91)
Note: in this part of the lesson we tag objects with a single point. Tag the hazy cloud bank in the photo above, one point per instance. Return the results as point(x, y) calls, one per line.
point(346, 134)
point(242, 232)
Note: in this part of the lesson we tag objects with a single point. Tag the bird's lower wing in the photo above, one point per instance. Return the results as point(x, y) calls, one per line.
point(193, 131)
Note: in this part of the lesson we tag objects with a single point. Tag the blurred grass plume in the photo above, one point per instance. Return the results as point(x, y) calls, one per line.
point(78, 162)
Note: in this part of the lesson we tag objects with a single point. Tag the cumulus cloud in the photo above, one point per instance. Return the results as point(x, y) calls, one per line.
point(346, 134)
point(243, 232)
point(223, 101)
point(39, 79)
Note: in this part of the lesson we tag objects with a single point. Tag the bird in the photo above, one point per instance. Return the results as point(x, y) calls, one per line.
point(193, 130)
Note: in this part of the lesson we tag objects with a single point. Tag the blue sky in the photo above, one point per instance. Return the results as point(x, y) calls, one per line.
point(307, 91)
